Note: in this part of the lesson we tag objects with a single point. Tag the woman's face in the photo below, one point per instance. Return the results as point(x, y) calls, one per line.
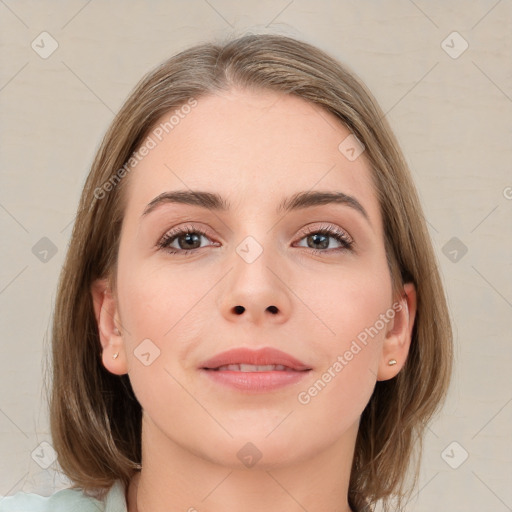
point(261, 275)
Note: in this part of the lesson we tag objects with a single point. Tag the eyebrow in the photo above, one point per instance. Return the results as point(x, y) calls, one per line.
point(216, 202)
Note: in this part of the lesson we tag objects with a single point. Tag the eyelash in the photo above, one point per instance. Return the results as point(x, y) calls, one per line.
point(341, 236)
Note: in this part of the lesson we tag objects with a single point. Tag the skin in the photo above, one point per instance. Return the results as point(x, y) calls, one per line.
point(255, 149)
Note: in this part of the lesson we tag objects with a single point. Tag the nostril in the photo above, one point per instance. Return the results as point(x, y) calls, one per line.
point(272, 309)
point(239, 309)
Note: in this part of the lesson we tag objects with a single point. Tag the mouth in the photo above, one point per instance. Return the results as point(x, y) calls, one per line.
point(254, 371)
point(244, 368)
point(244, 359)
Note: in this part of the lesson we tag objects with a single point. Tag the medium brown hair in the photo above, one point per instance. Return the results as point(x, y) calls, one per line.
point(95, 417)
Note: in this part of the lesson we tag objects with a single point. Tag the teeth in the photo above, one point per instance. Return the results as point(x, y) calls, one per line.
point(252, 367)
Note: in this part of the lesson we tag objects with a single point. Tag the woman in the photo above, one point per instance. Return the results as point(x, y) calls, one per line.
point(250, 314)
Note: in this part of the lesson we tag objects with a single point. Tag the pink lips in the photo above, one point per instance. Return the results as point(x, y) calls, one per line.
point(254, 381)
point(264, 356)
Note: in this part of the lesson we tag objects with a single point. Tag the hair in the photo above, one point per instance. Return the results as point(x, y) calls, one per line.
point(95, 418)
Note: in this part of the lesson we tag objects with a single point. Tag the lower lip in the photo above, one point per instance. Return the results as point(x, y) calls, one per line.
point(256, 381)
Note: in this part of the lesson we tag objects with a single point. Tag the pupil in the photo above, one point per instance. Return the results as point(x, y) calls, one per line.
point(325, 243)
point(188, 238)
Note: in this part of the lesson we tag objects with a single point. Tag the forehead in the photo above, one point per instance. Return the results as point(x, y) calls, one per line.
point(254, 148)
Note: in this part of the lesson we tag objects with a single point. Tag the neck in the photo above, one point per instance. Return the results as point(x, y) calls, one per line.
point(175, 479)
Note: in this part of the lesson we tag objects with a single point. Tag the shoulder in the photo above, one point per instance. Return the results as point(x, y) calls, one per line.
point(66, 500)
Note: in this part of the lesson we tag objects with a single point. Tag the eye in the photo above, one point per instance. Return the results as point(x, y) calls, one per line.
point(184, 240)
point(317, 239)
point(187, 239)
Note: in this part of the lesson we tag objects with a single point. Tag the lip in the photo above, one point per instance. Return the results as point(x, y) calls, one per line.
point(255, 382)
point(263, 356)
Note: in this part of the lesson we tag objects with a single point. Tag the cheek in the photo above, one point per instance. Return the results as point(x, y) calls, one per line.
point(156, 298)
point(165, 311)
point(351, 308)
point(351, 325)
point(161, 312)
point(346, 301)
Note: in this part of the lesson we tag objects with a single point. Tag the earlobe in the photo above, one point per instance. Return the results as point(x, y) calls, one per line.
point(398, 338)
point(107, 319)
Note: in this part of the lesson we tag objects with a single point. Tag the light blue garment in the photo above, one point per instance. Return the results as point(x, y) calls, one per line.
point(66, 500)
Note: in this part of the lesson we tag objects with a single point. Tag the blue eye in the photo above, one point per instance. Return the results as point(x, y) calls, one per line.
point(320, 239)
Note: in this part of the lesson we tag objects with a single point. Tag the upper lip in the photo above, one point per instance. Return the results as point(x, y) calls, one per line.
point(263, 356)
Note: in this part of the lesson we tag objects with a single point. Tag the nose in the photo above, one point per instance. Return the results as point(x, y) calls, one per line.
point(256, 291)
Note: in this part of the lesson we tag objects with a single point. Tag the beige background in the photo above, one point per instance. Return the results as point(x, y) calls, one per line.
point(452, 117)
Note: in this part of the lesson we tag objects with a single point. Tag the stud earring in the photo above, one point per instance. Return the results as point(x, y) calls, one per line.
point(115, 355)
point(391, 362)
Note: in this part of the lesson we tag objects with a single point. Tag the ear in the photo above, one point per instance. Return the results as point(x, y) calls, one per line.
point(107, 318)
point(398, 337)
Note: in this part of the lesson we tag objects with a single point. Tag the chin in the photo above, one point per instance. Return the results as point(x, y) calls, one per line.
point(260, 452)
